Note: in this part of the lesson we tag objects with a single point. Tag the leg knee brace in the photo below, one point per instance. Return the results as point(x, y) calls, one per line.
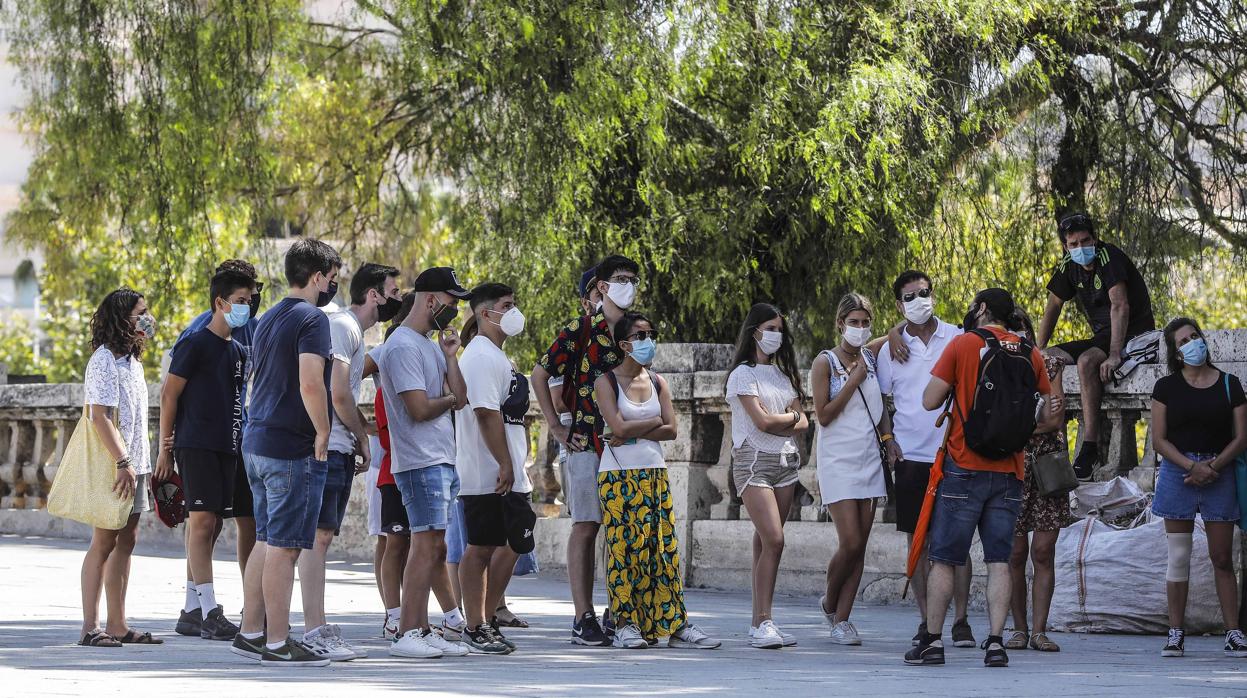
point(1179, 557)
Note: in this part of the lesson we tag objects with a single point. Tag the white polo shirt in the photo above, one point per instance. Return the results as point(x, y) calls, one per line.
point(913, 426)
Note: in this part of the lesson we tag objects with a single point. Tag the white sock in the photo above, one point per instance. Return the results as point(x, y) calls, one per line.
point(393, 613)
point(253, 636)
point(275, 645)
point(207, 598)
point(192, 598)
point(453, 618)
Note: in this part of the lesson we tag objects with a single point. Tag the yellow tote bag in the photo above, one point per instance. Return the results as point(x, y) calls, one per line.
point(83, 487)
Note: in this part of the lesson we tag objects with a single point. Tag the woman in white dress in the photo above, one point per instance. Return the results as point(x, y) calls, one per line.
point(852, 425)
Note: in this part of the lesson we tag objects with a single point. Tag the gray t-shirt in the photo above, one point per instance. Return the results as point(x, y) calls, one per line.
point(348, 347)
point(410, 361)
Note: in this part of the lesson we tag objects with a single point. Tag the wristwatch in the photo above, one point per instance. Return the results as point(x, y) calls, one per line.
point(886, 438)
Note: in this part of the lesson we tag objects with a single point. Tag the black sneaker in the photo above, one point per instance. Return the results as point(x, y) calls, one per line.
point(1086, 460)
point(217, 627)
point(292, 654)
point(497, 632)
point(922, 631)
point(1235, 644)
point(588, 632)
point(963, 636)
point(996, 655)
point(482, 641)
point(250, 649)
point(608, 624)
point(189, 623)
point(1173, 646)
point(928, 652)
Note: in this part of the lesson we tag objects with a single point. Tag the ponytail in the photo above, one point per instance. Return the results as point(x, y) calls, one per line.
point(471, 328)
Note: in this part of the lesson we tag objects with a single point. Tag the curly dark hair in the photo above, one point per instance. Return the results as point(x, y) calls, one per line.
point(111, 325)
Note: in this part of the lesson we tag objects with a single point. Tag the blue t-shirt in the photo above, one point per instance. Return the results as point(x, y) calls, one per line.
point(242, 335)
point(278, 425)
point(210, 407)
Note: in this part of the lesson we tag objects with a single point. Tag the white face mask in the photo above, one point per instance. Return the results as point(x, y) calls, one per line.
point(857, 336)
point(621, 293)
point(770, 342)
point(919, 310)
point(512, 322)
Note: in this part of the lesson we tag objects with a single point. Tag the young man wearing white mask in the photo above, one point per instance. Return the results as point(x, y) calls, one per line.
point(917, 438)
point(585, 343)
point(491, 447)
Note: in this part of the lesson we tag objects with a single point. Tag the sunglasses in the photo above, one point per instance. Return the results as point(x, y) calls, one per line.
point(924, 293)
point(1077, 221)
point(644, 334)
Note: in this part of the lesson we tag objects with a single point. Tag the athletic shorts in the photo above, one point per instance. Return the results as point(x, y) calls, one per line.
point(393, 513)
point(908, 492)
point(582, 487)
point(490, 520)
point(244, 505)
point(208, 479)
point(1100, 341)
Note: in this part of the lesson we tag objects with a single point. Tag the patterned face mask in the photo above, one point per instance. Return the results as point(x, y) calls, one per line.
point(146, 324)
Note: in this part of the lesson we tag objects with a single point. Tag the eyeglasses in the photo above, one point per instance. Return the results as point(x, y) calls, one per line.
point(634, 280)
point(644, 334)
point(924, 293)
point(1076, 221)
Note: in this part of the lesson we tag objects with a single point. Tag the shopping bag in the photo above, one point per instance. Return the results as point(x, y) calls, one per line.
point(83, 487)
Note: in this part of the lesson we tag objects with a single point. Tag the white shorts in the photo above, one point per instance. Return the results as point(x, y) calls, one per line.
point(370, 487)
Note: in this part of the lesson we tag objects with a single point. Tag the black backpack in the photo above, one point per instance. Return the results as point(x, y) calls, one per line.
point(1002, 417)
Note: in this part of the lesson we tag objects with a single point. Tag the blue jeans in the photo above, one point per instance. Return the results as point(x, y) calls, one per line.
point(287, 496)
point(969, 500)
point(1176, 500)
point(341, 472)
point(427, 496)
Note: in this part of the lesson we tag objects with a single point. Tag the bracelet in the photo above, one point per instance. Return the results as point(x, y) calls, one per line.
point(796, 418)
point(886, 438)
point(123, 463)
point(454, 401)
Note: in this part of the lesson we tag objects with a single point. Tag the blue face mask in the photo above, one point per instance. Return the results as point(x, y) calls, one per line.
point(643, 351)
point(1082, 255)
point(238, 315)
point(1195, 352)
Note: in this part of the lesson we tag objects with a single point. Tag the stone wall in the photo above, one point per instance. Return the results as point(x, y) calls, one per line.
point(35, 421)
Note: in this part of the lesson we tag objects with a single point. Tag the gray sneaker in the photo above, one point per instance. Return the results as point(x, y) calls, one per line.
point(481, 640)
point(693, 638)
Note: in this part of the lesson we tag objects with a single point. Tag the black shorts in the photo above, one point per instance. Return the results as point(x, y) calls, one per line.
point(208, 479)
point(489, 520)
point(393, 512)
point(1079, 347)
point(908, 492)
point(244, 505)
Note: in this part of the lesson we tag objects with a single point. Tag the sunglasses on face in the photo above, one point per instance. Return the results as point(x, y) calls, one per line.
point(924, 293)
point(644, 334)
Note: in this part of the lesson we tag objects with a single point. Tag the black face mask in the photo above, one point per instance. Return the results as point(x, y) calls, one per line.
point(444, 316)
point(387, 310)
point(255, 305)
point(326, 297)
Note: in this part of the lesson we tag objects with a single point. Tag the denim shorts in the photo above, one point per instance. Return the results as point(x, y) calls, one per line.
point(337, 491)
point(287, 496)
point(1174, 499)
point(456, 536)
point(427, 495)
point(973, 499)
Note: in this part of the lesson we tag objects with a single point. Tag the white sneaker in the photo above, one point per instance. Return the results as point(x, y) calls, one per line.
point(692, 637)
point(766, 636)
point(830, 618)
point(335, 639)
point(448, 648)
point(413, 644)
point(454, 633)
point(629, 637)
point(845, 634)
point(322, 643)
point(789, 640)
point(389, 631)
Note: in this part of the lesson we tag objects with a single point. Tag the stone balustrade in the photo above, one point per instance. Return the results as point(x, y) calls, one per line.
point(36, 421)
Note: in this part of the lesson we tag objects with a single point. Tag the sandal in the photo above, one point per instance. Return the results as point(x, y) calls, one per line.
point(98, 638)
point(132, 637)
point(1040, 641)
point(506, 619)
point(1017, 641)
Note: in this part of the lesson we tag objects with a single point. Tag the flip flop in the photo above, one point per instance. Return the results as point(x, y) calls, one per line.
point(98, 638)
point(513, 622)
point(1040, 641)
point(133, 637)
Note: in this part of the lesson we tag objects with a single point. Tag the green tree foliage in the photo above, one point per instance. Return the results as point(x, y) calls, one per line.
point(772, 150)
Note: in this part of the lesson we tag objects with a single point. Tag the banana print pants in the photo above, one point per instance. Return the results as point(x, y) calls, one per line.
point(643, 565)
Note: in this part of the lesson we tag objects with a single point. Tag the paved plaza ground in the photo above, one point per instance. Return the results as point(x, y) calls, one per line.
point(40, 619)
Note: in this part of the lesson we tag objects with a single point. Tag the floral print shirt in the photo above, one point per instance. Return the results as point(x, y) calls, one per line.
point(588, 340)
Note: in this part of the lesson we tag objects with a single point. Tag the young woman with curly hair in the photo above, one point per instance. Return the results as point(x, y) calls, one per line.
point(114, 383)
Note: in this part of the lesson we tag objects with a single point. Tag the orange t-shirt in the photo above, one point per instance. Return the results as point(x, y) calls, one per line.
point(959, 367)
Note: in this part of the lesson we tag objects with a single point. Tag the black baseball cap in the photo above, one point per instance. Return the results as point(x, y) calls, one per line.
point(999, 302)
point(441, 279)
point(585, 279)
point(519, 519)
